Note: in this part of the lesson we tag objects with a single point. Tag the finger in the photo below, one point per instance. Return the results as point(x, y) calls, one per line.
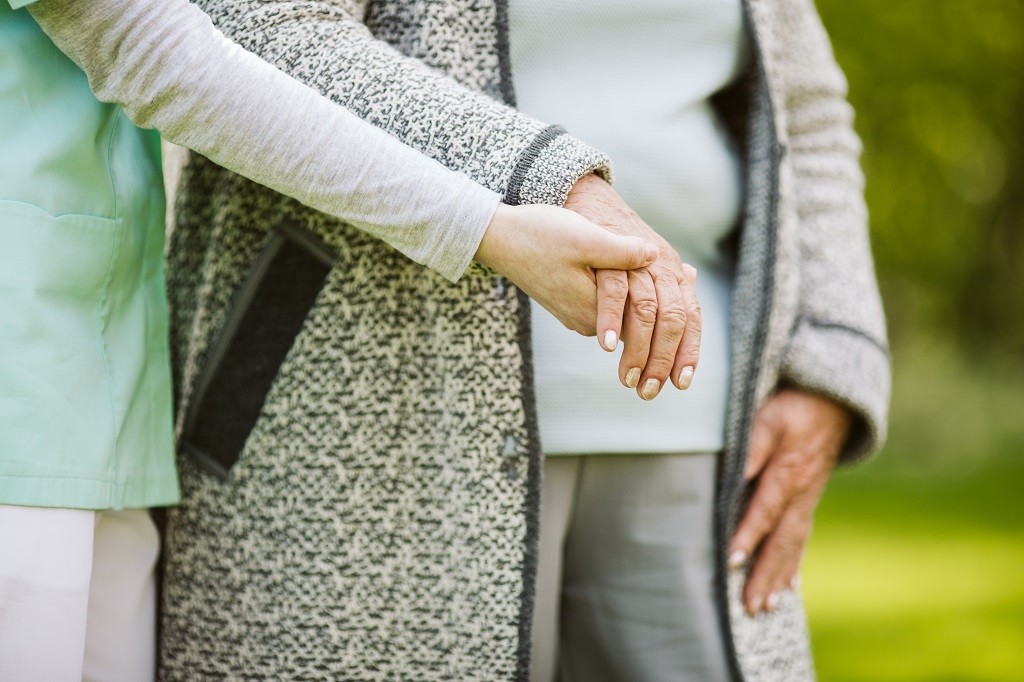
point(770, 500)
point(777, 561)
point(637, 326)
point(764, 438)
point(669, 326)
point(612, 291)
point(601, 249)
point(688, 353)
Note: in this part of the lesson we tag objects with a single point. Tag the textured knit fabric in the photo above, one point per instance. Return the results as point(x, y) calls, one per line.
point(381, 522)
point(85, 385)
point(675, 165)
point(170, 69)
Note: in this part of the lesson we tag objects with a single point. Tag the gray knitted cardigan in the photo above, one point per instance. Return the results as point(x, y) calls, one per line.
point(381, 520)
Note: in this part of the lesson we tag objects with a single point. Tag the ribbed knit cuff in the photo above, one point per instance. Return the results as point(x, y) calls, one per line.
point(550, 166)
point(850, 367)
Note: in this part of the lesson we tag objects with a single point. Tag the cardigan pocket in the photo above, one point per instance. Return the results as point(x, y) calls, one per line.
point(268, 313)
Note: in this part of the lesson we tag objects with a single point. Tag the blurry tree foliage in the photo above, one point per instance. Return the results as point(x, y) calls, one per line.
point(938, 86)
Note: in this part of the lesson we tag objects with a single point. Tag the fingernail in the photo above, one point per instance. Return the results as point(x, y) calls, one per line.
point(633, 377)
point(611, 340)
point(737, 558)
point(794, 583)
point(755, 605)
point(651, 253)
point(650, 389)
point(685, 377)
point(773, 601)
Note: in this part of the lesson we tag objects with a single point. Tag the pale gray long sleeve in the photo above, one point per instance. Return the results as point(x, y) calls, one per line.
point(167, 66)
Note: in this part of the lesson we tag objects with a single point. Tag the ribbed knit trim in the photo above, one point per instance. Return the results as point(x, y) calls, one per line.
point(535, 464)
point(525, 162)
point(508, 93)
point(731, 491)
point(533, 490)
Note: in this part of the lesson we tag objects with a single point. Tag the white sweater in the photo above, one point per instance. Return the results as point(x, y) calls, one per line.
point(600, 68)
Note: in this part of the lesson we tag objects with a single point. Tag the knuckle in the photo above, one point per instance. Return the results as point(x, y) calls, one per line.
point(645, 310)
point(615, 288)
point(658, 367)
point(771, 508)
point(800, 478)
point(695, 316)
point(802, 529)
point(673, 315)
point(789, 544)
point(803, 481)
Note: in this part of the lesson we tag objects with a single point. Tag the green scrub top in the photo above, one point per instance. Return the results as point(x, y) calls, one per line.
point(85, 388)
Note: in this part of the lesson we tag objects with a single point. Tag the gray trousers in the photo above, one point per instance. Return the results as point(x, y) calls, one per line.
point(625, 585)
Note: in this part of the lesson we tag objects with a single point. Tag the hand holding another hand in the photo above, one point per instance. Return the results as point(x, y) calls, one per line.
point(598, 268)
point(551, 254)
point(654, 308)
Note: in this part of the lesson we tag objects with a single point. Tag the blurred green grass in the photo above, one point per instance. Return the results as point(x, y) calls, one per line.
point(916, 567)
point(915, 570)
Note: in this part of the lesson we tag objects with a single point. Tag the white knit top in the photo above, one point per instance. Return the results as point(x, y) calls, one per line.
point(633, 78)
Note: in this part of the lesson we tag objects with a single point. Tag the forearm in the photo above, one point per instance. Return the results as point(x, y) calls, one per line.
point(326, 45)
point(170, 69)
point(838, 346)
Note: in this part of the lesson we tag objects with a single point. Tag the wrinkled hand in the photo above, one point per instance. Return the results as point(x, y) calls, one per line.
point(795, 442)
point(551, 254)
point(654, 309)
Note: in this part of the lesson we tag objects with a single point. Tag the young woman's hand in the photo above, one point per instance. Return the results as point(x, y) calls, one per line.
point(551, 254)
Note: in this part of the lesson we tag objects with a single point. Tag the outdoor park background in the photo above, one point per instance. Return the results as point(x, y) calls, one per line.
point(916, 566)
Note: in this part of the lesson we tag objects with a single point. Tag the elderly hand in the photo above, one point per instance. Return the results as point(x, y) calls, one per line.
point(551, 254)
point(795, 442)
point(660, 329)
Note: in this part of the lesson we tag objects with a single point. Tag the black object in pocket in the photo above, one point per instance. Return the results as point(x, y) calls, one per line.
point(268, 313)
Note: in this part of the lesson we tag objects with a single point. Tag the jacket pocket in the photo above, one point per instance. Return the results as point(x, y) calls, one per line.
point(267, 315)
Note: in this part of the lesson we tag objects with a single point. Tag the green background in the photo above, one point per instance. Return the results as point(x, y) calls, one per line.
point(916, 567)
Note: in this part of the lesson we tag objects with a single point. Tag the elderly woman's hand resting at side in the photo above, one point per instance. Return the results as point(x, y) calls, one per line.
point(794, 446)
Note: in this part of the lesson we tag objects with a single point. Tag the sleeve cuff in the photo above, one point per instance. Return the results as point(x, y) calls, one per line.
point(850, 367)
point(550, 166)
point(453, 250)
point(18, 4)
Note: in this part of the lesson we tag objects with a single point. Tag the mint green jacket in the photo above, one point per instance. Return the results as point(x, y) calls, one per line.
point(85, 397)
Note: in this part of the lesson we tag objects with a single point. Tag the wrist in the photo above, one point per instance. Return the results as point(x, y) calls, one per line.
point(495, 240)
point(587, 182)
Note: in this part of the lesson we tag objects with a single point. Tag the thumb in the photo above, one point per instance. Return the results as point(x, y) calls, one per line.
point(607, 251)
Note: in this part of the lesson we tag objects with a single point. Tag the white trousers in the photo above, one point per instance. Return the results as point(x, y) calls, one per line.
point(77, 595)
point(625, 577)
